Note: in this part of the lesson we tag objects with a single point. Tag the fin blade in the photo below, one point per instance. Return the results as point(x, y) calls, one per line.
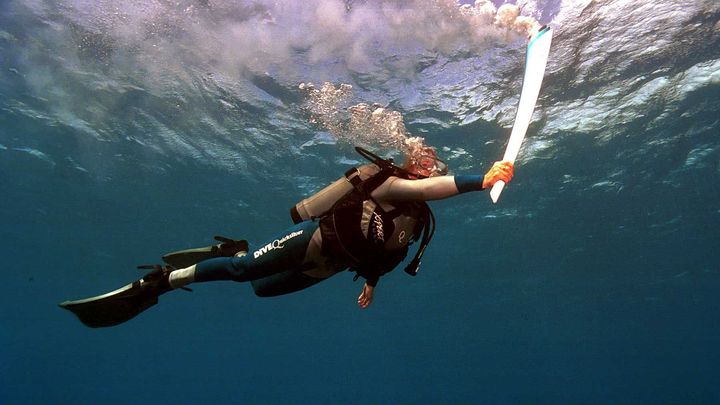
point(188, 257)
point(112, 308)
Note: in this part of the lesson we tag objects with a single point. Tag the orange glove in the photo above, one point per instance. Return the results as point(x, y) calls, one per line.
point(499, 171)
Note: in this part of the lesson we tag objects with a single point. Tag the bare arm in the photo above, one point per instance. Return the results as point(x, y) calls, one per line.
point(433, 188)
point(438, 188)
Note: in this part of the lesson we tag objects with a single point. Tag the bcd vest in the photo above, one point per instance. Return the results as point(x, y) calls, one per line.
point(358, 229)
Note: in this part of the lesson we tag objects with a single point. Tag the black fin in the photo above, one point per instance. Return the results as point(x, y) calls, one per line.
point(123, 304)
point(114, 307)
point(188, 257)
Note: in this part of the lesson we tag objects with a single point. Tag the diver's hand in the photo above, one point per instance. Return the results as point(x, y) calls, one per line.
point(499, 171)
point(366, 296)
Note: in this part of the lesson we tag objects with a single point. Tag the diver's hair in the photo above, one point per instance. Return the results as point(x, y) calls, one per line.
point(414, 149)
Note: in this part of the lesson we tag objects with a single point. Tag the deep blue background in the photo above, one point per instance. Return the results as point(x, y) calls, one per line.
point(588, 302)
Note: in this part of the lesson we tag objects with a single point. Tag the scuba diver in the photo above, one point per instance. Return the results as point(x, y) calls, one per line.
point(365, 222)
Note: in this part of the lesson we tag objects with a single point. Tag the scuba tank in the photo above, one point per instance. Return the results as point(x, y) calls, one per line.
point(321, 202)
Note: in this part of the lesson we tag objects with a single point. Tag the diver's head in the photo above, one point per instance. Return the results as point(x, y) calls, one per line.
point(422, 162)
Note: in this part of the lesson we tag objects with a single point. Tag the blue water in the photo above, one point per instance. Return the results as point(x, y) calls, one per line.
point(128, 130)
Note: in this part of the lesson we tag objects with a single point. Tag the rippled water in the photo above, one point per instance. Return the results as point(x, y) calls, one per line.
point(128, 129)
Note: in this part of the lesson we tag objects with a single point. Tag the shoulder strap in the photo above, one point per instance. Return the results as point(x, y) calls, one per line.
point(368, 185)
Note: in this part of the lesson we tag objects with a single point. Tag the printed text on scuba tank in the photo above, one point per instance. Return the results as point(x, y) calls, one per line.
point(276, 244)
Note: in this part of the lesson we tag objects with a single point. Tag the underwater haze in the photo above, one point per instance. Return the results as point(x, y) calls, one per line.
point(129, 129)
